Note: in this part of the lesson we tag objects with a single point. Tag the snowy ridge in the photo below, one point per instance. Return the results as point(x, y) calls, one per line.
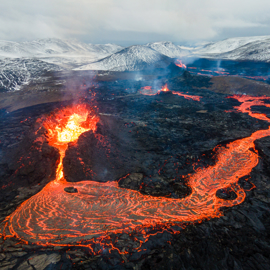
point(53, 46)
point(246, 48)
point(132, 58)
point(169, 49)
point(230, 44)
point(255, 51)
point(22, 62)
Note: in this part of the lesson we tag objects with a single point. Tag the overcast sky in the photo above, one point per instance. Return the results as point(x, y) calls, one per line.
point(128, 22)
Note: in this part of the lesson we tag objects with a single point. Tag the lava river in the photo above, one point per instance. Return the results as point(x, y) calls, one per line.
point(55, 217)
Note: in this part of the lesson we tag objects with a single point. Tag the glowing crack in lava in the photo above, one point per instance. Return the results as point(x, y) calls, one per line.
point(54, 217)
point(148, 91)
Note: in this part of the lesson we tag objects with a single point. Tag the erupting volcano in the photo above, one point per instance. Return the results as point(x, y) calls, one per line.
point(66, 126)
point(97, 210)
point(148, 91)
point(165, 88)
point(179, 63)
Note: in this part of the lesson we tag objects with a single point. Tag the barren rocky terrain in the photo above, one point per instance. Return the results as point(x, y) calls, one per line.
point(156, 141)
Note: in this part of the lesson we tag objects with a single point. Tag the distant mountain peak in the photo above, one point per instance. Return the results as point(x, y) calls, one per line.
point(169, 49)
point(136, 57)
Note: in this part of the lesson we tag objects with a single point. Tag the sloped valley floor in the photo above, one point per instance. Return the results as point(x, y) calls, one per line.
point(151, 144)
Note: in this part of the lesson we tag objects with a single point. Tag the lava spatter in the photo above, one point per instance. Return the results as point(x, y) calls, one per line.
point(54, 217)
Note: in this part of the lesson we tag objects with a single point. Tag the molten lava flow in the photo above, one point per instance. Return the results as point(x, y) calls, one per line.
point(179, 63)
point(248, 102)
point(148, 91)
point(85, 218)
point(222, 72)
point(66, 126)
point(196, 98)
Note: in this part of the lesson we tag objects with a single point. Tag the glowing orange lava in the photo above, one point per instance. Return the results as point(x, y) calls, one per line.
point(186, 96)
point(222, 72)
point(179, 63)
point(66, 126)
point(148, 91)
point(165, 88)
point(54, 217)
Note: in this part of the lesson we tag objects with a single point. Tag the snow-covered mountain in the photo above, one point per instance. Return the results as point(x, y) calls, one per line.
point(243, 48)
point(14, 73)
point(53, 46)
point(254, 51)
point(169, 49)
point(132, 58)
point(230, 44)
point(22, 62)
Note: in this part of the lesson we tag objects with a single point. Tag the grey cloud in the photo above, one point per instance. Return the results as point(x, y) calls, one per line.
point(130, 21)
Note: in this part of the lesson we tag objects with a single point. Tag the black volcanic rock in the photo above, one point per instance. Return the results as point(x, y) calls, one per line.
point(71, 190)
point(226, 194)
point(174, 70)
point(181, 190)
point(189, 80)
point(105, 155)
point(156, 186)
point(132, 181)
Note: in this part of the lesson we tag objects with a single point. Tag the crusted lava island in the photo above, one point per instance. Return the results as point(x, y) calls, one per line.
point(167, 172)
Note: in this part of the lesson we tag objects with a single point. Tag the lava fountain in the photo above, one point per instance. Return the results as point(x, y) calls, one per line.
point(165, 88)
point(65, 126)
point(54, 217)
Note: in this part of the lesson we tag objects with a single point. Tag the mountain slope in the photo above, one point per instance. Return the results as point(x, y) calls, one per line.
point(231, 44)
point(15, 73)
point(253, 51)
point(23, 62)
point(133, 58)
point(246, 48)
